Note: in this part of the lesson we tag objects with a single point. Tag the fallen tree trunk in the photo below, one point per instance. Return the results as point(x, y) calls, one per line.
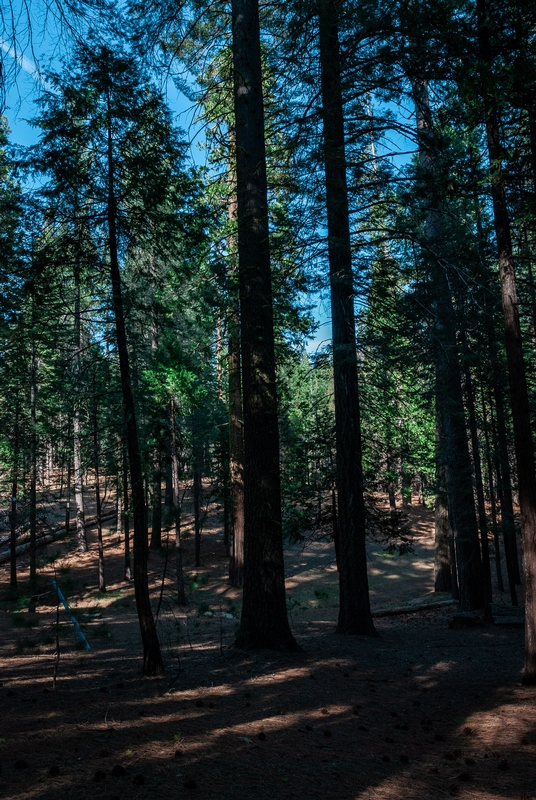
point(51, 536)
point(411, 607)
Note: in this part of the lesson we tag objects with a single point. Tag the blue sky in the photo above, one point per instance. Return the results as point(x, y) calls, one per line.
point(19, 108)
point(21, 96)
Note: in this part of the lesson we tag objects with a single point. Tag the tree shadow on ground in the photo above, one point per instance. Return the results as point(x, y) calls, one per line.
point(423, 712)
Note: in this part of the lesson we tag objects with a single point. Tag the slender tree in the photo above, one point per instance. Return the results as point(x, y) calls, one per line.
point(354, 604)
point(453, 449)
point(152, 659)
point(523, 441)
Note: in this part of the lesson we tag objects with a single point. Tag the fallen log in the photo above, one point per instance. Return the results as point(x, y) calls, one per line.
point(24, 534)
point(411, 607)
point(52, 536)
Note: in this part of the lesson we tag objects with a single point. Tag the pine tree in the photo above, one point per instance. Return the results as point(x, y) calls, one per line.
point(354, 606)
point(264, 620)
point(112, 114)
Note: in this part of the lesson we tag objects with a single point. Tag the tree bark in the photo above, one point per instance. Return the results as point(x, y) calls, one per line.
point(152, 658)
point(523, 443)
point(156, 515)
point(236, 426)
point(33, 466)
point(504, 473)
point(493, 500)
point(119, 508)
point(264, 622)
point(236, 454)
point(354, 603)
point(406, 484)
point(126, 513)
point(197, 486)
point(156, 519)
point(453, 562)
point(78, 485)
point(98, 507)
point(443, 533)
point(479, 485)
point(182, 600)
point(453, 448)
point(77, 428)
point(391, 487)
point(13, 512)
point(68, 497)
point(442, 571)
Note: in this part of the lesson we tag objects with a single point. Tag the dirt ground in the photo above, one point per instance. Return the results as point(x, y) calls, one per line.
point(420, 712)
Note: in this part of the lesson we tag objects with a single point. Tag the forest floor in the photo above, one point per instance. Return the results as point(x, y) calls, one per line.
point(422, 711)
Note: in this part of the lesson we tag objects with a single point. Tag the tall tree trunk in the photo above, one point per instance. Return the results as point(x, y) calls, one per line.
point(456, 457)
point(119, 508)
point(406, 481)
point(227, 520)
point(453, 563)
point(489, 465)
point(391, 494)
point(62, 466)
point(98, 506)
point(442, 568)
point(505, 501)
point(156, 516)
point(168, 493)
point(48, 467)
point(354, 603)
point(78, 484)
point(500, 445)
point(453, 450)
point(531, 111)
point(77, 427)
point(156, 526)
point(13, 513)
point(152, 658)
point(479, 485)
point(126, 513)
point(68, 497)
point(504, 473)
point(523, 443)
point(236, 427)
point(335, 527)
point(33, 467)
point(504, 486)
point(264, 622)
point(182, 600)
point(443, 534)
point(197, 485)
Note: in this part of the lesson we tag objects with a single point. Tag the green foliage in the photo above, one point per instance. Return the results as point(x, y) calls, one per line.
point(307, 447)
point(174, 381)
point(198, 580)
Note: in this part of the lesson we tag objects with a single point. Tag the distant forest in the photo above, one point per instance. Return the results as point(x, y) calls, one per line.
point(162, 323)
